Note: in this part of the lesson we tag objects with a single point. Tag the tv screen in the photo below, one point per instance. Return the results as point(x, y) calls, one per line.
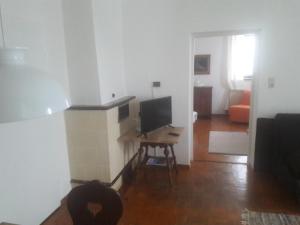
point(155, 113)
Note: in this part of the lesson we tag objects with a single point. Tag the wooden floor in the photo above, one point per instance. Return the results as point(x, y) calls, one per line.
point(207, 193)
point(201, 139)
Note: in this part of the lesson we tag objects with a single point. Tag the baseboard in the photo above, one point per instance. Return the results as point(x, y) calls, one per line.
point(182, 166)
point(222, 162)
point(219, 115)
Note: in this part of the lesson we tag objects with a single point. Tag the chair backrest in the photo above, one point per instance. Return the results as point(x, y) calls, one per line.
point(94, 192)
point(246, 98)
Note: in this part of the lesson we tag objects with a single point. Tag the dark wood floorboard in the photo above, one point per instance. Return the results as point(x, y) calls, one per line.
point(205, 194)
point(201, 139)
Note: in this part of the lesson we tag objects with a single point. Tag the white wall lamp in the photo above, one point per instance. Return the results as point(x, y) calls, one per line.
point(25, 92)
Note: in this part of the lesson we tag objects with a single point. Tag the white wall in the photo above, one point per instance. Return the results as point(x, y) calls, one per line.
point(280, 49)
point(157, 37)
point(81, 52)
point(34, 169)
point(109, 45)
point(216, 47)
point(94, 40)
point(280, 54)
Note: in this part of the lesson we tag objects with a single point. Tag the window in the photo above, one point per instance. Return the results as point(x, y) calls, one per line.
point(242, 56)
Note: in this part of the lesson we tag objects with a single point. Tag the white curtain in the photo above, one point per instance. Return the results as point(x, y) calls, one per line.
point(226, 68)
point(240, 59)
point(239, 63)
point(230, 77)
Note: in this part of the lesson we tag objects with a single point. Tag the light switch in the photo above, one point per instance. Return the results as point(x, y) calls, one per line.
point(271, 82)
point(156, 84)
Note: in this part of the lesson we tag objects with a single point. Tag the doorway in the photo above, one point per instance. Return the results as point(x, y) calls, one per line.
point(223, 78)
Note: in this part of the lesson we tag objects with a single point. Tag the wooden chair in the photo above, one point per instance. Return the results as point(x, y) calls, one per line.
point(240, 112)
point(94, 192)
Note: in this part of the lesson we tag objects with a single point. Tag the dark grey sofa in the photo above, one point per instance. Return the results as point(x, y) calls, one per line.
point(278, 149)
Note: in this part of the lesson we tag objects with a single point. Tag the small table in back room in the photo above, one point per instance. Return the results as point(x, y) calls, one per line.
point(165, 138)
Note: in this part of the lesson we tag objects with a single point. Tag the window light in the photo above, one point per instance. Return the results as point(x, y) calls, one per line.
point(242, 56)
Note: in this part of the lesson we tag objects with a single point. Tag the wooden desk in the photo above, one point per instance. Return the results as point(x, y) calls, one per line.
point(159, 138)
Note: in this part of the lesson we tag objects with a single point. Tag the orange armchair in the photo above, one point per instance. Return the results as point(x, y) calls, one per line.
point(240, 113)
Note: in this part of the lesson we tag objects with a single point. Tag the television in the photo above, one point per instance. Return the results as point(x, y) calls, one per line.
point(155, 113)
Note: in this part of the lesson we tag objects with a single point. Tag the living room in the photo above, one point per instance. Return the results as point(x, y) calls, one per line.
point(135, 43)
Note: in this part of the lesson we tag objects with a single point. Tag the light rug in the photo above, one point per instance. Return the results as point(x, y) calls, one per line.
point(258, 218)
point(231, 143)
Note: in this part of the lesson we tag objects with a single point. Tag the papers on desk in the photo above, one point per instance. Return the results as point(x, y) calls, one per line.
point(156, 162)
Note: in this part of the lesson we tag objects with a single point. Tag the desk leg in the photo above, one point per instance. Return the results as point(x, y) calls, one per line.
point(140, 152)
point(166, 152)
point(174, 158)
point(146, 157)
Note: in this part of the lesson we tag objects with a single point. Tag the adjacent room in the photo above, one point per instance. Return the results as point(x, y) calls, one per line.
point(223, 71)
point(149, 112)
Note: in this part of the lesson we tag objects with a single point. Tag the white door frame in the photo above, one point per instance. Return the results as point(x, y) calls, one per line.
point(255, 83)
